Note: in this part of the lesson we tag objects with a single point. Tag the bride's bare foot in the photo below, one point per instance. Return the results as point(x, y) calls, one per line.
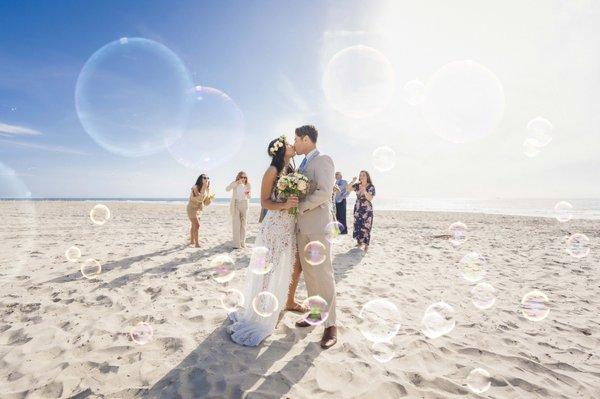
point(197, 245)
point(296, 307)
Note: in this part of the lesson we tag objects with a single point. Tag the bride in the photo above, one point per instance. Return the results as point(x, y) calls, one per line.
point(277, 234)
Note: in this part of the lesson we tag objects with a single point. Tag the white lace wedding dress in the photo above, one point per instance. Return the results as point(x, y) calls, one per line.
point(278, 234)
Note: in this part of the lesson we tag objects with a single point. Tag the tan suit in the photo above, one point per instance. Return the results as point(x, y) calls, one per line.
point(314, 215)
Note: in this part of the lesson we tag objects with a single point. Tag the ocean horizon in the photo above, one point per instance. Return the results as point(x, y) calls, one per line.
point(583, 208)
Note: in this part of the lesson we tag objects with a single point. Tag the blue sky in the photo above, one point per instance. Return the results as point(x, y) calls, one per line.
point(270, 57)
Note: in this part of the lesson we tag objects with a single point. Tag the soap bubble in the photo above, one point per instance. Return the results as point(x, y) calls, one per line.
point(414, 92)
point(142, 333)
point(333, 231)
point(359, 81)
point(530, 148)
point(383, 352)
point(483, 296)
point(578, 245)
point(132, 96)
point(223, 268)
point(384, 159)
point(260, 261)
point(563, 211)
point(438, 320)
point(540, 131)
point(464, 101)
point(232, 300)
point(534, 306)
point(318, 310)
point(214, 133)
point(265, 304)
point(458, 233)
point(315, 253)
point(473, 267)
point(91, 268)
point(479, 380)
point(18, 229)
point(73, 254)
point(379, 320)
point(99, 214)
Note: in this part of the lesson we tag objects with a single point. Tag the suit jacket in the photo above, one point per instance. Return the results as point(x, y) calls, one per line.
point(315, 209)
point(232, 188)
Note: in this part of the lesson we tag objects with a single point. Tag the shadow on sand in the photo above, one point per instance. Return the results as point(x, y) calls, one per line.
point(202, 373)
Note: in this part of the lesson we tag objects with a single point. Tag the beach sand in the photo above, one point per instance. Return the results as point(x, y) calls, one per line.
point(62, 335)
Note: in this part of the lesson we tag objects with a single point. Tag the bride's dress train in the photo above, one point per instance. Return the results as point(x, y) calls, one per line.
point(278, 234)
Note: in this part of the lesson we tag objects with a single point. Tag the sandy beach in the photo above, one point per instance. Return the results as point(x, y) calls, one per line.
point(65, 336)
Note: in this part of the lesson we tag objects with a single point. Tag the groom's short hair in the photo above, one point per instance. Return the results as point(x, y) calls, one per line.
point(308, 130)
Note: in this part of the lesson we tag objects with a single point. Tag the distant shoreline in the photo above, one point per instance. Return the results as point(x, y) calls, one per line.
point(586, 209)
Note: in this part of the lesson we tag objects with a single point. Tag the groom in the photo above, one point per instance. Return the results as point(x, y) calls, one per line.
point(314, 215)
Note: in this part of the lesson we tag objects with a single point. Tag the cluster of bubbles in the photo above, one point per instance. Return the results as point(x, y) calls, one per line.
point(379, 322)
point(142, 333)
point(461, 102)
point(539, 135)
point(135, 97)
point(90, 268)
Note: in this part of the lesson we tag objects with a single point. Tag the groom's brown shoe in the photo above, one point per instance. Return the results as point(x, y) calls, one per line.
point(329, 337)
point(302, 323)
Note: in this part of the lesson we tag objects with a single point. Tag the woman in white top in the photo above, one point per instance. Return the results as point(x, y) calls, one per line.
point(241, 191)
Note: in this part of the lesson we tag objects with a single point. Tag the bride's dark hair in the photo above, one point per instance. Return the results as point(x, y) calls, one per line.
point(278, 159)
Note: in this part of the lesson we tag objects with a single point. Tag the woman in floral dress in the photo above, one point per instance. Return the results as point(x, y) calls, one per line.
point(363, 209)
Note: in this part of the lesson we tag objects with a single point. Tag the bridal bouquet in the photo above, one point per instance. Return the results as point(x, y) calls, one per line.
point(292, 185)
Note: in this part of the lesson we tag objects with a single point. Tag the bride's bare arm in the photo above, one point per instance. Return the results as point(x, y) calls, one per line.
point(265, 193)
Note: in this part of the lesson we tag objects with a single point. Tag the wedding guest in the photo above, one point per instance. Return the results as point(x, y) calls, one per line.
point(238, 207)
point(340, 201)
point(363, 209)
point(200, 197)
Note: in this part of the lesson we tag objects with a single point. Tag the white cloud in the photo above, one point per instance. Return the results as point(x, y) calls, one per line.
point(15, 130)
point(43, 147)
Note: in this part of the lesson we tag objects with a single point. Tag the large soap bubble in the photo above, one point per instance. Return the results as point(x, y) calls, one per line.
point(133, 96)
point(464, 101)
point(359, 81)
point(214, 132)
point(18, 227)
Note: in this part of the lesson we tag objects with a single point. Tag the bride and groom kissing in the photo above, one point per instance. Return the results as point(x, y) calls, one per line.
point(286, 236)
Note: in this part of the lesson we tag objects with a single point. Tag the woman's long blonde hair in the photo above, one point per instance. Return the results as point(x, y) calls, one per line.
point(241, 174)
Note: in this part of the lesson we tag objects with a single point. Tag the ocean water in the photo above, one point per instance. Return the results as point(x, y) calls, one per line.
point(583, 208)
